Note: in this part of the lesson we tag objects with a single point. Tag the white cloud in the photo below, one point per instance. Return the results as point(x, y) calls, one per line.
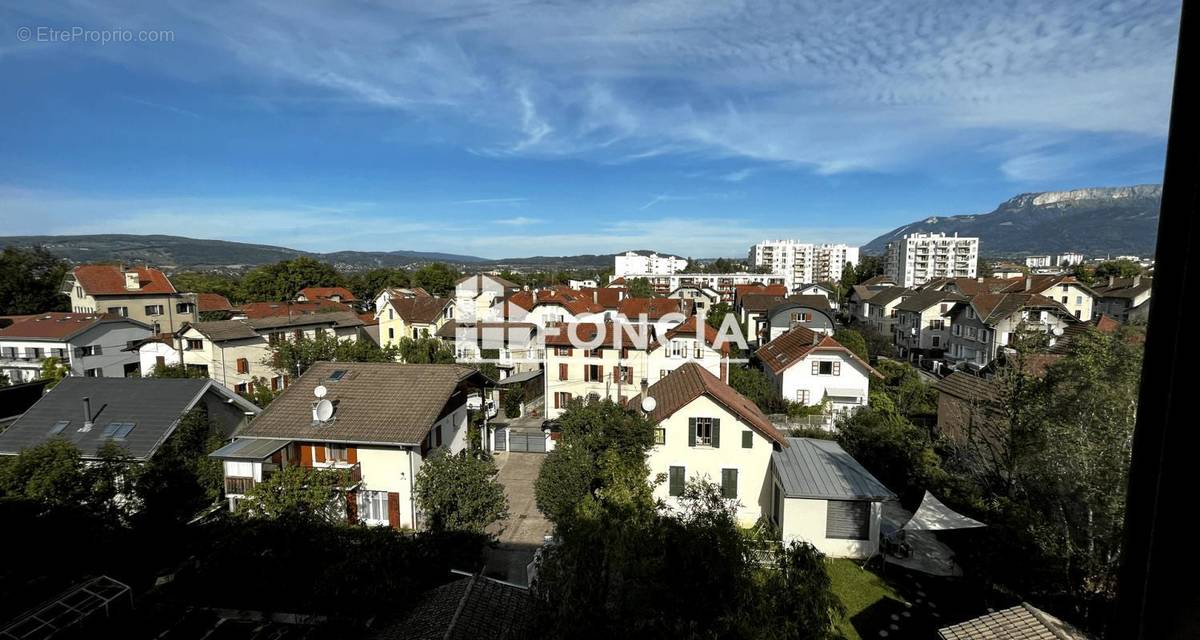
point(828, 86)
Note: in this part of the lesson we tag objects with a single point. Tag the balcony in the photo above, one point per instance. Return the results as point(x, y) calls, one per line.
point(235, 486)
point(354, 471)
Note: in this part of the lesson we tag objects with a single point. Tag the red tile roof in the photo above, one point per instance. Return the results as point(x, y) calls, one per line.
point(52, 325)
point(740, 290)
point(325, 293)
point(654, 308)
point(688, 328)
point(109, 280)
point(690, 381)
point(254, 310)
point(212, 302)
point(796, 344)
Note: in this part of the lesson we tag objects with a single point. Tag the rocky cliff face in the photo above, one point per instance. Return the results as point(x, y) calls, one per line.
point(1094, 221)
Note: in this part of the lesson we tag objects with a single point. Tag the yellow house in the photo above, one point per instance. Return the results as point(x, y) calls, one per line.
point(412, 318)
point(139, 293)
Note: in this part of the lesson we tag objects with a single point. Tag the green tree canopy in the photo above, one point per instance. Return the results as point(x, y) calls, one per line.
point(459, 492)
point(854, 341)
point(437, 278)
point(281, 281)
point(30, 280)
point(639, 288)
point(293, 356)
point(425, 350)
point(299, 492)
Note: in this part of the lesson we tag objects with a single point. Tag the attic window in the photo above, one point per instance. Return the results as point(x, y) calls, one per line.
point(337, 375)
point(118, 430)
point(59, 427)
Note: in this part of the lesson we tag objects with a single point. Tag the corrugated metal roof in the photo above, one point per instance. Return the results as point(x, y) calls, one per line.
point(821, 469)
point(521, 377)
point(248, 449)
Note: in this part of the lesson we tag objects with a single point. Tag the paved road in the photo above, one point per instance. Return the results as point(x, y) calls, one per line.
point(523, 532)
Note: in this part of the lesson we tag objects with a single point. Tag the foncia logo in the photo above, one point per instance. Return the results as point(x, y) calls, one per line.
point(490, 327)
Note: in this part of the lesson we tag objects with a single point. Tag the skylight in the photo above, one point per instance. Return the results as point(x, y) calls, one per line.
point(118, 430)
point(337, 375)
point(59, 427)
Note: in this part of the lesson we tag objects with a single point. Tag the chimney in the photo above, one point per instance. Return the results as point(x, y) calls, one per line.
point(1028, 282)
point(132, 281)
point(816, 338)
point(87, 414)
point(1111, 281)
point(979, 279)
point(1137, 280)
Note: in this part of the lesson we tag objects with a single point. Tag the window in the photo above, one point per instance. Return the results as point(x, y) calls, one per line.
point(802, 396)
point(660, 436)
point(562, 399)
point(675, 481)
point(593, 353)
point(89, 350)
point(937, 324)
point(243, 365)
point(120, 311)
point(196, 345)
point(1078, 299)
point(118, 430)
point(337, 453)
point(34, 353)
point(391, 333)
point(154, 309)
point(826, 368)
point(562, 371)
point(729, 478)
point(184, 307)
point(241, 388)
point(677, 349)
point(747, 439)
point(437, 436)
point(562, 351)
point(593, 373)
point(623, 375)
point(93, 373)
point(373, 507)
point(391, 314)
point(937, 342)
point(848, 519)
point(704, 432)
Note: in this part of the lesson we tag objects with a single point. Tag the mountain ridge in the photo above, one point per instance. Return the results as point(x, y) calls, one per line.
point(1091, 220)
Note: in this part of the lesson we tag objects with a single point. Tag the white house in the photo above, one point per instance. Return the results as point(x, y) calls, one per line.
point(707, 430)
point(89, 344)
point(824, 497)
point(612, 359)
point(809, 367)
point(387, 419)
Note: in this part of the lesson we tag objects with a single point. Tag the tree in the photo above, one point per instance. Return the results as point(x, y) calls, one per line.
point(53, 370)
point(295, 355)
point(758, 388)
point(910, 394)
point(179, 370)
point(221, 284)
point(900, 454)
point(1117, 269)
point(600, 459)
point(52, 473)
point(30, 280)
point(367, 285)
point(853, 340)
point(425, 350)
point(639, 288)
point(437, 278)
point(514, 399)
point(4, 380)
point(299, 492)
point(281, 281)
point(460, 492)
point(716, 315)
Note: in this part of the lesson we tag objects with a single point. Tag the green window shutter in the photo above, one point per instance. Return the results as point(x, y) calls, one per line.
point(747, 439)
point(675, 486)
point(729, 478)
point(691, 432)
point(716, 434)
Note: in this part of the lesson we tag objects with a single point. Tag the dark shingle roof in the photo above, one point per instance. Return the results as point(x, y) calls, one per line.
point(420, 310)
point(220, 330)
point(376, 402)
point(928, 298)
point(153, 405)
point(967, 387)
point(467, 607)
point(820, 469)
point(1022, 622)
point(691, 381)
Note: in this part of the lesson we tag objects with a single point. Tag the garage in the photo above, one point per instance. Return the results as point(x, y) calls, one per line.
point(527, 441)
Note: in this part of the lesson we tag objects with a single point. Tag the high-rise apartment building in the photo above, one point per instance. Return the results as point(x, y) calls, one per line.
point(803, 262)
point(916, 258)
point(632, 262)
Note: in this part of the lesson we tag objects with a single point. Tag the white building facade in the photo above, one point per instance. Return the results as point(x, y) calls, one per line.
point(804, 262)
point(916, 258)
point(633, 263)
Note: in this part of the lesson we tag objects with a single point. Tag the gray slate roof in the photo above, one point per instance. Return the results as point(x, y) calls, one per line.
point(375, 402)
point(221, 330)
point(248, 449)
point(153, 405)
point(820, 469)
point(467, 607)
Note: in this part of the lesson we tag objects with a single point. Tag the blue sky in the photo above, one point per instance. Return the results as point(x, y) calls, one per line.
point(506, 129)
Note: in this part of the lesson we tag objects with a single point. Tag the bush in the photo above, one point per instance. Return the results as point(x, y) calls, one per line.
point(460, 493)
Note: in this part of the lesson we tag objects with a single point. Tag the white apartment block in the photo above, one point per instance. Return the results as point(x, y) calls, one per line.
point(722, 283)
point(804, 262)
point(916, 258)
point(633, 263)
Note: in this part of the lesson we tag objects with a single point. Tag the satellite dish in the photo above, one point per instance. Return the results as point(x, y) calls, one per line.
point(648, 404)
point(324, 410)
point(320, 391)
point(1057, 331)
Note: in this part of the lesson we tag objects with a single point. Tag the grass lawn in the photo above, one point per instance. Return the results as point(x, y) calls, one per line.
point(859, 591)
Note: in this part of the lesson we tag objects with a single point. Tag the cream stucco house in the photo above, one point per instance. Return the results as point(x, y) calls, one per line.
point(412, 317)
point(388, 418)
point(143, 294)
point(809, 368)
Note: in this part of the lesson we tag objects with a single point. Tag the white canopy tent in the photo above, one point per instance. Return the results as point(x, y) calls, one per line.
point(932, 515)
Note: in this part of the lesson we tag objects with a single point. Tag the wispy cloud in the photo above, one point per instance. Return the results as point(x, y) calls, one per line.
point(492, 201)
point(825, 86)
point(518, 221)
point(663, 197)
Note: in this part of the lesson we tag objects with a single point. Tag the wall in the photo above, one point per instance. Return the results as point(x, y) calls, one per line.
point(149, 353)
point(112, 338)
point(170, 320)
point(387, 469)
point(805, 520)
point(753, 464)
